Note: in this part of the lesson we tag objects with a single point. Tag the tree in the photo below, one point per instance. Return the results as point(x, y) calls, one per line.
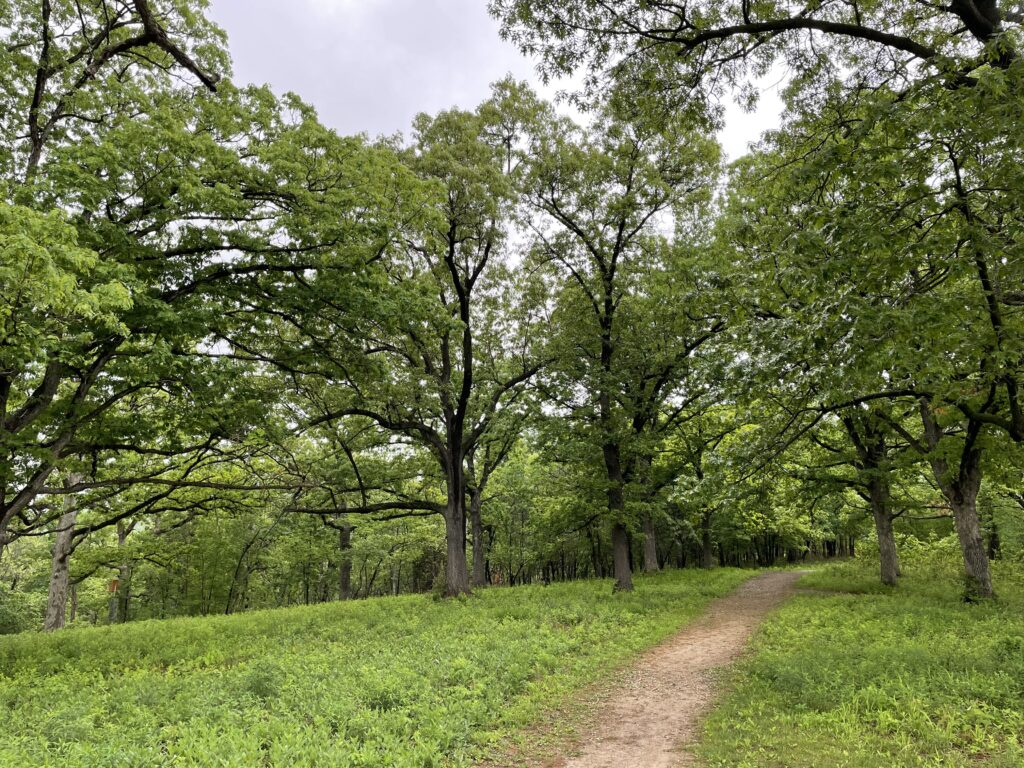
point(863, 439)
point(703, 481)
point(493, 451)
point(949, 74)
point(444, 349)
point(866, 280)
point(143, 208)
point(600, 196)
point(63, 307)
point(687, 44)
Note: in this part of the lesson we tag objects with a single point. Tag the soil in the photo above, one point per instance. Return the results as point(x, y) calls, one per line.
point(652, 716)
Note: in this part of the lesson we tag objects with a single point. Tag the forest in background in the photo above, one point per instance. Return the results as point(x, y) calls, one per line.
point(246, 362)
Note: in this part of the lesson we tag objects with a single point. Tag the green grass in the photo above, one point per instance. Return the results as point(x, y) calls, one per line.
point(404, 681)
point(872, 677)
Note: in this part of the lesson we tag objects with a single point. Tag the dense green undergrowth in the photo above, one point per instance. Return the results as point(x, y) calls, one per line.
point(869, 676)
point(403, 681)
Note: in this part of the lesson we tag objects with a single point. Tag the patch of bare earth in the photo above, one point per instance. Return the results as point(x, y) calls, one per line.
point(652, 714)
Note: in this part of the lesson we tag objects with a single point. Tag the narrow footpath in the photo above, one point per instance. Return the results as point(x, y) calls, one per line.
point(654, 716)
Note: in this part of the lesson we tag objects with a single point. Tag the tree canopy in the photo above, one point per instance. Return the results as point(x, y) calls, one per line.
point(245, 361)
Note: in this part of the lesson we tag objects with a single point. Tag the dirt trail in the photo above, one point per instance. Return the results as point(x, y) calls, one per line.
point(650, 720)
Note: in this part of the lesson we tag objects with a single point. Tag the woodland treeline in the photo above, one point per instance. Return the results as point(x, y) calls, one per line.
point(248, 362)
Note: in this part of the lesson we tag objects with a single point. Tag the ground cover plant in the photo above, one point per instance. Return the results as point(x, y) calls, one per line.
point(856, 674)
point(406, 681)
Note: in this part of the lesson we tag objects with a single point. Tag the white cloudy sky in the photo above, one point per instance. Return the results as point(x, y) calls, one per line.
point(371, 65)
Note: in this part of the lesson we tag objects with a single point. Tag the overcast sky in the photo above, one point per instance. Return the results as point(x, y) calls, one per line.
point(371, 65)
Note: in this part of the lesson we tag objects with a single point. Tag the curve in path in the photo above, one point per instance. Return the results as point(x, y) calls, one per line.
point(656, 714)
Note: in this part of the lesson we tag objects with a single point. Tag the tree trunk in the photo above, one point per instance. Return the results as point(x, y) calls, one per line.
point(124, 592)
point(396, 578)
point(620, 551)
point(972, 544)
point(456, 574)
point(890, 565)
point(63, 546)
point(650, 545)
point(961, 491)
point(56, 603)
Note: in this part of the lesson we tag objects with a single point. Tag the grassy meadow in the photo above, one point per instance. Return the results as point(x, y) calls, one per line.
point(855, 675)
point(404, 681)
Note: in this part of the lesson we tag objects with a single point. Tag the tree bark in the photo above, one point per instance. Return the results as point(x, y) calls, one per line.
point(63, 546)
point(620, 552)
point(868, 435)
point(456, 574)
point(650, 545)
point(961, 492)
point(56, 603)
point(396, 578)
point(621, 555)
point(890, 566)
point(972, 544)
point(124, 592)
